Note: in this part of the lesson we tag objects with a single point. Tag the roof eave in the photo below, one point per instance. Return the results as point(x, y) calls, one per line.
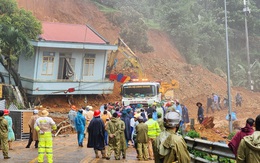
point(69, 45)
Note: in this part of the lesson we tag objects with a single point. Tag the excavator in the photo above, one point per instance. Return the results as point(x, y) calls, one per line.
point(140, 90)
point(128, 54)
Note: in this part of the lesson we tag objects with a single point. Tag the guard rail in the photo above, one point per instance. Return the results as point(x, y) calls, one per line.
point(214, 148)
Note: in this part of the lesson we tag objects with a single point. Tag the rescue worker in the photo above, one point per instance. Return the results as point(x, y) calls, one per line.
point(96, 134)
point(249, 149)
point(113, 130)
point(142, 139)
point(170, 147)
point(11, 137)
point(33, 133)
point(122, 137)
point(80, 123)
point(72, 114)
point(153, 131)
point(44, 126)
point(4, 135)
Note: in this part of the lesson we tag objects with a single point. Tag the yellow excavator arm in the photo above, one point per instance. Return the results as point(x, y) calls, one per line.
point(128, 54)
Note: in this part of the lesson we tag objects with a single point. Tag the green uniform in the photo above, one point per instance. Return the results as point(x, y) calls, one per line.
point(171, 148)
point(113, 131)
point(122, 138)
point(142, 141)
point(249, 149)
point(161, 124)
point(44, 125)
point(4, 136)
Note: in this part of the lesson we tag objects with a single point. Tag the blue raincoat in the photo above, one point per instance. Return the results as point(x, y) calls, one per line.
point(80, 122)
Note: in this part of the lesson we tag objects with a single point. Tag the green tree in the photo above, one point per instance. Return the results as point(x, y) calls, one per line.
point(17, 28)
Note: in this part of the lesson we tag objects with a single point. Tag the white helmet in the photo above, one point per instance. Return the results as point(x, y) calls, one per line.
point(172, 119)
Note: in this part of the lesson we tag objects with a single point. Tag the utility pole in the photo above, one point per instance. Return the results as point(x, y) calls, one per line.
point(228, 72)
point(247, 12)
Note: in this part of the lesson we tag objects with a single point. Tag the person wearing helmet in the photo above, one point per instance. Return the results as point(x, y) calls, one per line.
point(11, 136)
point(72, 114)
point(170, 147)
point(96, 134)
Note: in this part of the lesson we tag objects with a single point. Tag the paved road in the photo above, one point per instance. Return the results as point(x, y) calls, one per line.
point(65, 150)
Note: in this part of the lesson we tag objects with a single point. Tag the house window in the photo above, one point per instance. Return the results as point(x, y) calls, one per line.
point(88, 69)
point(47, 63)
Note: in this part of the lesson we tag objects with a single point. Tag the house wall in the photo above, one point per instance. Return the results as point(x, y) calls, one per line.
point(99, 65)
point(26, 66)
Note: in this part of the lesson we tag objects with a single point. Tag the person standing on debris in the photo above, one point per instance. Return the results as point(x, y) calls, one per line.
point(247, 130)
point(72, 114)
point(4, 135)
point(44, 126)
point(200, 112)
point(153, 132)
point(80, 122)
point(238, 100)
point(113, 130)
point(142, 139)
point(209, 104)
point(96, 134)
point(170, 147)
point(33, 133)
point(215, 101)
point(11, 137)
point(249, 148)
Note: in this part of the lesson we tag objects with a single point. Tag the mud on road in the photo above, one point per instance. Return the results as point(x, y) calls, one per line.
point(65, 150)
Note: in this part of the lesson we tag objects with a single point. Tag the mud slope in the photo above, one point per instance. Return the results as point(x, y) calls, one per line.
point(165, 63)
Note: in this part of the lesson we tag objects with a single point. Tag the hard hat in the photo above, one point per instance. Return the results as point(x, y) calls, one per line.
point(73, 107)
point(6, 112)
point(140, 118)
point(172, 119)
point(97, 113)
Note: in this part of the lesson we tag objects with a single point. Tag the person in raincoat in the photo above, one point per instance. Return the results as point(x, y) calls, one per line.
point(169, 146)
point(127, 130)
point(247, 130)
point(122, 137)
point(80, 122)
point(114, 132)
point(4, 135)
point(249, 149)
point(96, 134)
point(11, 137)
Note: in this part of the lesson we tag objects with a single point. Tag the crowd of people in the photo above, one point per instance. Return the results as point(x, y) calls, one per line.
point(119, 127)
point(154, 132)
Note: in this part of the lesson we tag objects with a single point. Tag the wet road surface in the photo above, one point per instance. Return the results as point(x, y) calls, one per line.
point(65, 150)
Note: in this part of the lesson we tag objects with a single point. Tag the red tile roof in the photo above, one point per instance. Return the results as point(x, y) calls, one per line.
point(61, 32)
